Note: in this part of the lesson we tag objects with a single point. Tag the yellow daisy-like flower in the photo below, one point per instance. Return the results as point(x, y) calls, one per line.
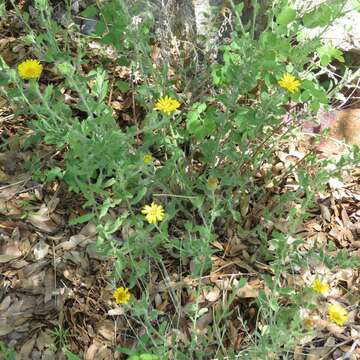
point(148, 158)
point(167, 105)
point(153, 213)
point(30, 69)
point(338, 314)
point(121, 295)
point(290, 83)
point(320, 287)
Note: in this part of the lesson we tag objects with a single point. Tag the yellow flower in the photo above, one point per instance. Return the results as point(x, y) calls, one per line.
point(148, 158)
point(153, 213)
point(167, 105)
point(338, 314)
point(320, 287)
point(289, 82)
point(121, 295)
point(30, 69)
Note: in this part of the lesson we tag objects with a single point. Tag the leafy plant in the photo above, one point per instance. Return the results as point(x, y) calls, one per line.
point(195, 157)
point(69, 355)
point(61, 336)
point(6, 352)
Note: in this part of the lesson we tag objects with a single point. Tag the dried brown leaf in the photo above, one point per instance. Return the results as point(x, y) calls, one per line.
point(26, 349)
point(106, 328)
point(325, 212)
point(204, 321)
point(41, 249)
point(213, 294)
point(74, 241)
point(44, 340)
point(4, 258)
point(42, 220)
point(117, 311)
point(247, 291)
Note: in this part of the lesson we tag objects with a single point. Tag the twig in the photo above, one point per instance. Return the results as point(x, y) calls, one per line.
point(8, 117)
point(335, 347)
point(111, 92)
point(27, 189)
point(15, 183)
point(351, 350)
point(349, 96)
point(133, 103)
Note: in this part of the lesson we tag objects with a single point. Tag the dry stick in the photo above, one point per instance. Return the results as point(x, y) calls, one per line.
point(111, 92)
point(351, 94)
point(61, 313)
point(166, 277)
point(27, 189)
point(351, 350)
point(6, 118)
point(336, 347)
point(15, 183)
point(133, 104)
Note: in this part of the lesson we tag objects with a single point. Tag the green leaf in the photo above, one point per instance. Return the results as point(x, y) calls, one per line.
point(66, 68)
point(41, 5)
point(201, 265)
point(329, 52)
point(286, 16)
point(141, 193)
point(2, 10)
point(6, 352)
point(70, 355)
point(26, 17)
point(54, 173)
point(148, 357)
point(245, 118)
point(242, 283)
point(197, 201)
point(112, 227)
point(100, 28)
point(81, 219)
point(356, 5)
point(123, 86)
point(201, 126)
point(100, 85)
point(123, 61)
point(118, 268)
point(321, 16)
point(104, 208)
point(239, 8)
point(90, 11)
point(126, 351)
point(109, 183)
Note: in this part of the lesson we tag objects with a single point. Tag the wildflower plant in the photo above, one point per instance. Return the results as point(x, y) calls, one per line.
point(320, 287)
point(121, 295)
point(30, 69)
point(153, 213)
point(289, 83)
point(214, 156)
point(167, 105)
point(338, 314)
point(148, 159)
